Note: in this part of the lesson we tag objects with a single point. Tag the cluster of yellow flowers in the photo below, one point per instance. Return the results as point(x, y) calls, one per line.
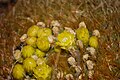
point(40, 40)
point(33, 54)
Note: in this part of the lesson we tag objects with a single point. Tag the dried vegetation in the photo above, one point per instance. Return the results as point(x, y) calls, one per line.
point(103, 15)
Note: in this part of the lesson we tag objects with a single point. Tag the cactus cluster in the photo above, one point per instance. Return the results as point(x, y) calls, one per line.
point(39, 41)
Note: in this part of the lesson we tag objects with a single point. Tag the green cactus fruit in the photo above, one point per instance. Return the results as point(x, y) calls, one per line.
point(32, 31)
point(93, 42)
point(65, 39)
point(29, 64)
point(42, 72)
point(18, 71)
point(42, 32)
point(83, 35)
point(31, 41)
point(27, 51)
point(43, 43)
point(39, 53)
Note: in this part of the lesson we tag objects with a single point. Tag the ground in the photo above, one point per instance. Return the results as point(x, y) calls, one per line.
point(103, 15)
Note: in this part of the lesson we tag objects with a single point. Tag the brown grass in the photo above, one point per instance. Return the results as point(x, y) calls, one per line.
point(103, 15)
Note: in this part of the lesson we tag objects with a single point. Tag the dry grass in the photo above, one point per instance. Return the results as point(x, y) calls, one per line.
point(103, 15)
